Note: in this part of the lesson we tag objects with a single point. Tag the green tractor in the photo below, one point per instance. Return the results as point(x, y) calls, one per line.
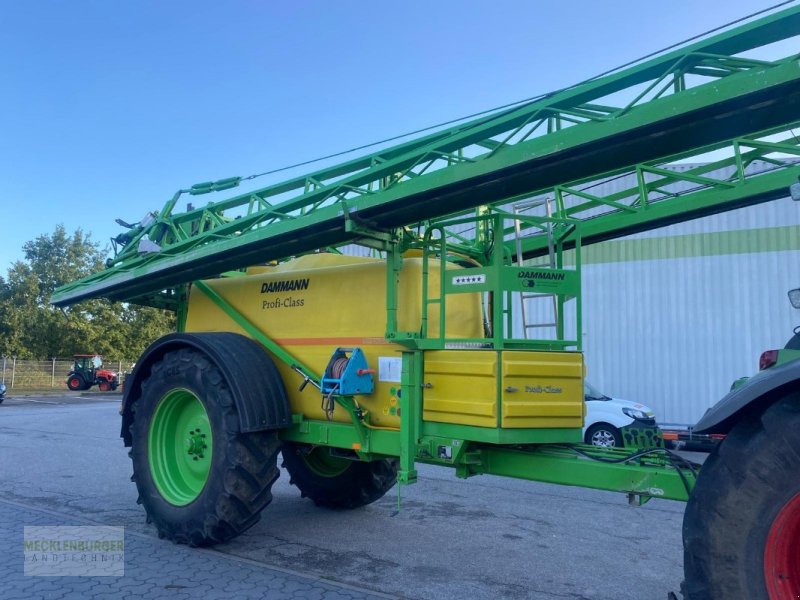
point(774, 358)
point(87, 371)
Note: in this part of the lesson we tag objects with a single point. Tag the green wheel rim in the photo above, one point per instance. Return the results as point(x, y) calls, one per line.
point(179, 447)
point(321, 462)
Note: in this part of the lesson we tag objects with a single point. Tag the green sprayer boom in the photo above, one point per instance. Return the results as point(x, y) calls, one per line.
point(681, 104)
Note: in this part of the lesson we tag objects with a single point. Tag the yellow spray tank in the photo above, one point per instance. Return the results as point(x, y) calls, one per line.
point(316, 303)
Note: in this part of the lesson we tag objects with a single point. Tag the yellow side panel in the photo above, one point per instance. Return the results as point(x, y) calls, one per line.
point(542, 389)
point(461, 387)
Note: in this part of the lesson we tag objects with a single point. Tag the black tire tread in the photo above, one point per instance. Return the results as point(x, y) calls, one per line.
point(742, 485)
point(361, 484)
point(249, 470)
point(80, 387)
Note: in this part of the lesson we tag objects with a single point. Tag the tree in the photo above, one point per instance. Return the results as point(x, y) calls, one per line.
point(32, 328)
point(57, 259)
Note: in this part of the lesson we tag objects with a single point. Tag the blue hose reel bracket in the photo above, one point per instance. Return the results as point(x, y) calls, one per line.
point(348, 374)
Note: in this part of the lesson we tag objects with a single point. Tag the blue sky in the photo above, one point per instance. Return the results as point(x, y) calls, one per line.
point(108, 107)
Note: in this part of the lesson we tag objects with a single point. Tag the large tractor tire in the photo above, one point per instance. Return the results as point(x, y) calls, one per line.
point(336, 482)
point(76, 383)
point(741, 529)
point(200, 479)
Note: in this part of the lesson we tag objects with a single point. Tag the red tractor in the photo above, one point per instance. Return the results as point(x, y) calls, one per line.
point(86, 371)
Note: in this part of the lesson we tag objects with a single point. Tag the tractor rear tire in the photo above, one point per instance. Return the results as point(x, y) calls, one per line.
point(200, 479)
point(75, 383)
point(741, 529)
point(336, 482)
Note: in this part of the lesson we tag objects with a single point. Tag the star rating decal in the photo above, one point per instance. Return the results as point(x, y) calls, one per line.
point(469, 279)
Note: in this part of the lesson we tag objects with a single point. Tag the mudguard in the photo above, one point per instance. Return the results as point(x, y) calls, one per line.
point(255, 383)
point(754, 396)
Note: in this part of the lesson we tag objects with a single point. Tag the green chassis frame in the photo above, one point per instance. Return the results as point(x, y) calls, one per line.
point(477, 450)
point(469, 450)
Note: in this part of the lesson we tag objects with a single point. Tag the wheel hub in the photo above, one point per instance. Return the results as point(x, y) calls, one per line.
point(782, 553)
point(196, 444)
point(323, 463)
point(180, 447)
point(603, 439)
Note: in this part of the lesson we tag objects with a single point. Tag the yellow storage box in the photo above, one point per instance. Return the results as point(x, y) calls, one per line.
point(534, 389)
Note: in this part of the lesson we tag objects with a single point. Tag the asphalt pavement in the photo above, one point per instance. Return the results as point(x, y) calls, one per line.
point(62, 463)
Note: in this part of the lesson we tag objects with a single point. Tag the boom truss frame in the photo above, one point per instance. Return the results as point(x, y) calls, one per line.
point(703, 96)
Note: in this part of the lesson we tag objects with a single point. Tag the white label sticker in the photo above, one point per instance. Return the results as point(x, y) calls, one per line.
point(469, 279)
point(389, 368)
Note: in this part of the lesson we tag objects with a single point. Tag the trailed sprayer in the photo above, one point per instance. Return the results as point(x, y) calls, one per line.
point(454, 337)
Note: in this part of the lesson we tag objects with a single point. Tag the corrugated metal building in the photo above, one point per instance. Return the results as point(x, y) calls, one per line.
point(673, 316)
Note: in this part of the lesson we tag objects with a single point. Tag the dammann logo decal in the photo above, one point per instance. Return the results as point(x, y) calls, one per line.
point(287, 285)
point(541, 275)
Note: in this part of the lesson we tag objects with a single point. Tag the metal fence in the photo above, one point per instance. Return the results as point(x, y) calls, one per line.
point(39, 374)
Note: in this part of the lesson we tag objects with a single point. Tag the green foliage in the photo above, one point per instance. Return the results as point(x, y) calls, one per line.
point(31, 328)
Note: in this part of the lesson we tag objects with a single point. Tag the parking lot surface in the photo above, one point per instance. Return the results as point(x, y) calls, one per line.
point(62, 463)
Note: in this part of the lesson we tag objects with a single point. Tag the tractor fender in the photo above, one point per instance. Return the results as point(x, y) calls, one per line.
point(752, 397)
point(250, 373)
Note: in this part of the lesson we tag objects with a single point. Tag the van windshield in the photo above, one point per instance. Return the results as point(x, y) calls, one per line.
point(592, 393)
